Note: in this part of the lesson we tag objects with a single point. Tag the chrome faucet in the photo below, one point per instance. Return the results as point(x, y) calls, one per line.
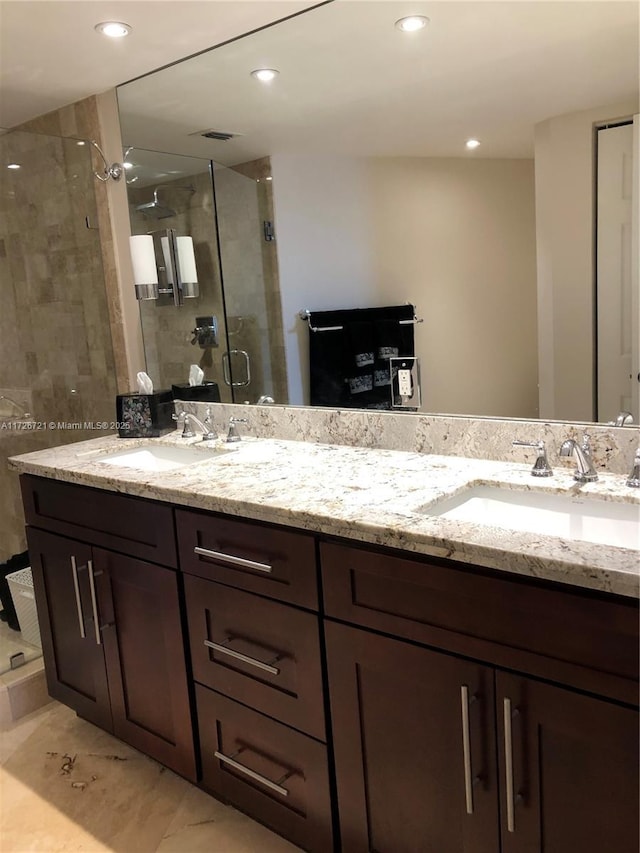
point(634, 476)
point(233, 434)
point(541, 467)
point(585, 472)
point(622, 419)
point(205, 427)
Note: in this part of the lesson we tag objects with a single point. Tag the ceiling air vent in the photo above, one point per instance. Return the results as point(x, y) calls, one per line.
point(218, 135)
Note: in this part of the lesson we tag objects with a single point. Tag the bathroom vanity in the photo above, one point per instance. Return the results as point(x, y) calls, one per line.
point(283, 627)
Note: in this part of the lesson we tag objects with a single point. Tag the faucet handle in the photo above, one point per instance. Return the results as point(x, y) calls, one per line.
point(541, 467)
point(634, 476)
point(233, 434)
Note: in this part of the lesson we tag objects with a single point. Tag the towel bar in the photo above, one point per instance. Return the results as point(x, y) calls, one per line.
point(305, 314)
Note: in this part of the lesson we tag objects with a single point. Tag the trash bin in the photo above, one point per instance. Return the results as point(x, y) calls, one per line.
point(21, 588)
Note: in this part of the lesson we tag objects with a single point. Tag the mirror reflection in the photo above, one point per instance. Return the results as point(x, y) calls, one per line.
point(346, 182)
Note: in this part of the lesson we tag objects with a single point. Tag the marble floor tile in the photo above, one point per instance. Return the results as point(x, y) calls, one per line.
point(67, 786)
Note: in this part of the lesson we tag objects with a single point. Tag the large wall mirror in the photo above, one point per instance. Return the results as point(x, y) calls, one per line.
point(346, 182)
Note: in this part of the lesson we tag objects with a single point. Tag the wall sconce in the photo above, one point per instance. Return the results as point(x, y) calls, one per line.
point(164, 264)
point(145, 271)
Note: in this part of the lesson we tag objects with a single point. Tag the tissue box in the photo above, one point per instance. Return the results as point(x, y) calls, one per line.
point(208, 392)
point(145, 415)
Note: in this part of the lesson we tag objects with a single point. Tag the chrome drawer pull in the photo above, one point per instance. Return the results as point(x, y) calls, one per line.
point(234, 561)
point(94, 603)
point(252, 774)
point(508, 768)
point(76, 587)
point(225, 650)
point(466, 748)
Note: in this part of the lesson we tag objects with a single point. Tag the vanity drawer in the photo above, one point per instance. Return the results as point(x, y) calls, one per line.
point(273, 773)
point(585, 639)
point(133, 526)
point(279, 671)
point(276, 563)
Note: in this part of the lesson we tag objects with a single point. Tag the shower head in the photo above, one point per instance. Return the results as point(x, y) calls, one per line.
point(155, 210)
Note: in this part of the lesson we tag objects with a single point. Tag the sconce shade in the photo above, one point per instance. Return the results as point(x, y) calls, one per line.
point(145, 273)
point(187, 266)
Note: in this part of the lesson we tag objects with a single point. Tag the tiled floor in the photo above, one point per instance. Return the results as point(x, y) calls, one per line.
point(67, 786)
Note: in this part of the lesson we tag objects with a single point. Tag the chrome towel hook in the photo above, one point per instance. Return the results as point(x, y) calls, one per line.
point(114, 170)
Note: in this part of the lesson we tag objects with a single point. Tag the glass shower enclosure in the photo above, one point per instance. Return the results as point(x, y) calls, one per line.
point(230, 328)
point(57, 368)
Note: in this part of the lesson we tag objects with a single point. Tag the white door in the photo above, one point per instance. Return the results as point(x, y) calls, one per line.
point(618, 303)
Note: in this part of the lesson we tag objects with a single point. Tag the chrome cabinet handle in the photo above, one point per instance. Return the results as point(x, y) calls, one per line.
point(508, 767)
point(466, 748)
point(225, 650)
point(76, 587)
point(234, 561)
point(94, 603)
point(258, 777)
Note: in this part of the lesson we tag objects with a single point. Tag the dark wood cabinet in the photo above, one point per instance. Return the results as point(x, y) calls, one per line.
point(143, 647)
point(71, 644)
point(568, 768)
point(417, 768)
point(112, 637)
point(414, 747)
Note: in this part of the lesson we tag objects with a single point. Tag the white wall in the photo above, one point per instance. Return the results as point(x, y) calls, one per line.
point(564, 180)
point(454, 236)
point(324, 242)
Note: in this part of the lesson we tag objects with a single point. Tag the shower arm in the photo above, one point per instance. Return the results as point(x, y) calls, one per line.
point(189, 188)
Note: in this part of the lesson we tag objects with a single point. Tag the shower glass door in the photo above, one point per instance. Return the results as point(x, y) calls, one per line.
point(183, 194)
point(246, 236)
point(228, 213)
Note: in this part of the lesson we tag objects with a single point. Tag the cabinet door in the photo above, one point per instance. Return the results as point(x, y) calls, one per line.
point(568, 770)
point(144, 651)
point(63, 579)
point(414, 744)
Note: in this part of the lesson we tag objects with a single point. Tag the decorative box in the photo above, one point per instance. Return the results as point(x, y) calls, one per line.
point(145, 415)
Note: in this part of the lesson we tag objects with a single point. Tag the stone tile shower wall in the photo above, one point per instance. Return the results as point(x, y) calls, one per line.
point(55, 336)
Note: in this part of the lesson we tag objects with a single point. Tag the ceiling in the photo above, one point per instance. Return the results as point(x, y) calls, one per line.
point(50, 54)
point(351, 83)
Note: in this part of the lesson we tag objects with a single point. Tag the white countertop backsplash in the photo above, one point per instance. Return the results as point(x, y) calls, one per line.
point(334, 473)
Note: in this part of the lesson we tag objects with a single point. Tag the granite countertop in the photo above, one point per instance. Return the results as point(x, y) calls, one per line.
point(374, 496)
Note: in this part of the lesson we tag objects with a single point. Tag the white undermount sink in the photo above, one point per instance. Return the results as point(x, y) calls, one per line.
point(569, 516)
point(159, 458)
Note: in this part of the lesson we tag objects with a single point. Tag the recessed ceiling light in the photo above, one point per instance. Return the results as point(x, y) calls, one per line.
point(14, 166)
point(113, 29)
point(412, 23)
point(472, 143)
point(265, 75)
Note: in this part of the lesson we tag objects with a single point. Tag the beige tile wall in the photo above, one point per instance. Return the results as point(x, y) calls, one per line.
point(56, 322)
